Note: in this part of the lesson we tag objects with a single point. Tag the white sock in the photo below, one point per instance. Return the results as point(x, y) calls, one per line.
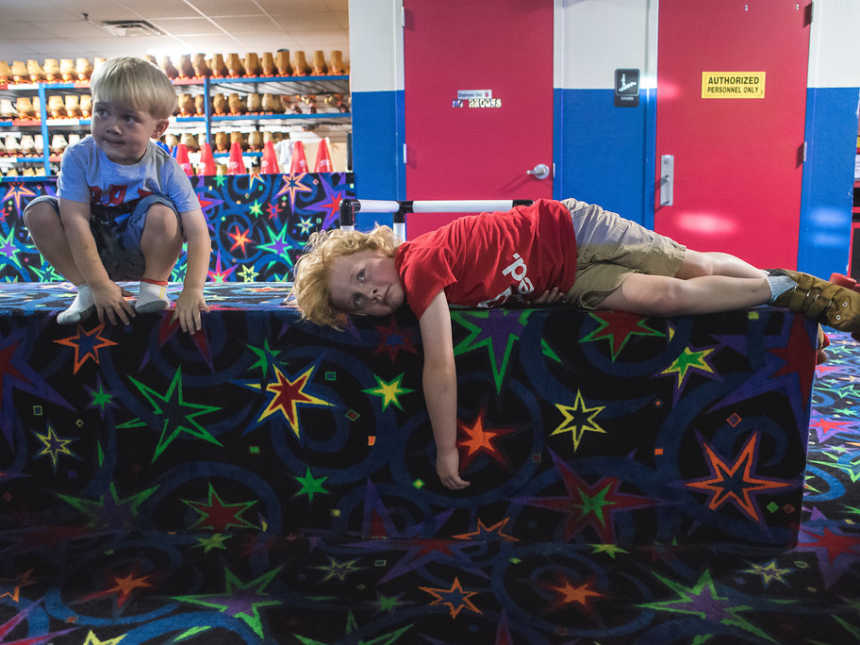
point(151, 296)
point(80, 308)
point(779, 284)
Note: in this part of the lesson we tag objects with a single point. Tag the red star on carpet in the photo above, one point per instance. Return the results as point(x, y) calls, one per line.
point(735, 482)
point(618, 324)
point(569, 594)
point(288, 395)
point(455, 598)
point(826, 427)
point(835, 544)
point(479, 440)
point(123, 587)
point(218, 516)
point(393, 340)
point(240, 238)
point(799, 356)
point(6, 367)
point(86, 345)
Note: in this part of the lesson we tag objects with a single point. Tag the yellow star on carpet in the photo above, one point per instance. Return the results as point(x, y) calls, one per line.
point(92, 639)
point(578, 419)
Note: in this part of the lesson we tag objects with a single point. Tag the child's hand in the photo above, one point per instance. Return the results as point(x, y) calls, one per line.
point(110, 304)
point(550, 297)
point(188, 307)
point(448, 469)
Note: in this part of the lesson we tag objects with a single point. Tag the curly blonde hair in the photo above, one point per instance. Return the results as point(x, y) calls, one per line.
point(310, 293)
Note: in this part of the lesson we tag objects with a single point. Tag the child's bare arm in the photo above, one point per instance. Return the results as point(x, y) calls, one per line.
point(191, 301)
point(107, 295)
point(440, 389)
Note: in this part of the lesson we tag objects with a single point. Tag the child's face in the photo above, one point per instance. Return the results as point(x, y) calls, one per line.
point(365, 284)
point(122, 131)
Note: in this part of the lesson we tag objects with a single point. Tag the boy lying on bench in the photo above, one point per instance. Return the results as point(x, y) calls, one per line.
point(547, 252)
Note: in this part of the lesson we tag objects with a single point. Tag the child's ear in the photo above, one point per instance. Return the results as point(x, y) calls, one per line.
point(160, 128)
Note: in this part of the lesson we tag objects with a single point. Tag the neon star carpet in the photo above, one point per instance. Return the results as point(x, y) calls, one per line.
point(258, 224)
point(266, 481)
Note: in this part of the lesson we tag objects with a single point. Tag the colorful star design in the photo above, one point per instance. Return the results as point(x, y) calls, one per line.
point(305, 224)
point(214, 541)
point(255, 209)
point(92, 639)
point(615, 325)
point(219, 275)
point(483, 532)
point(497, 330)
point(836, 551)
point(331, 207)
point(175, 415)
point(288, 395)
point(9, 249)
point(337, 569)
point(293, 185)
point(389, 391)
point(17, 192)
point(240, 239)
point(578, 419)
point(218, 516)
point(53, 446)
point(310, 485)
point(109, 511)
point(478, 440)
point(240, 600)
point(123, 587)
point(99, 397)
point(393, 340)
point(703, 600)
point(86, 345)
point(9, 626)
point(690, 359)
point(588, 505)
point(248, 274)
point(265, 358)
point(278, 245)
point(566, 594)
point(768, 572)
point(736, 482)
point(455, 597)
point(826, 427)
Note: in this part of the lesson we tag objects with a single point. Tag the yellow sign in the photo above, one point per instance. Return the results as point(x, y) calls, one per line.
point(733, 85)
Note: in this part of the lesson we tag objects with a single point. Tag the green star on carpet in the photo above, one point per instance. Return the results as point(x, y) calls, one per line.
point(609, 549)
point(387, 603)
point(99, 398)
point(495, 329)
point(255, 208)
point(339, 570)
point(9, 249)
point(278, 245)
point(310, 485)
point(219, 180)
point(305, 225)
point(176, 415)
point(248, 274)
point(54, 446)
point(214, 541)
point(104, 509)
point(47, 274)
point(578, 419)
point(389, 391)
point(265, 357)
point(240, 600)
point(703, 600)
point(689, 359)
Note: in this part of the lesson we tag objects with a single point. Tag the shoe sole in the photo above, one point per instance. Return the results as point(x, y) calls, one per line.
point(151, 307)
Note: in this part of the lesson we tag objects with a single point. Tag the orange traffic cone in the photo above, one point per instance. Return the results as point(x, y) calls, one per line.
point(299, 163)
point(236, 165)
point(207, 160)
point(270, 159)
point(324, 163)
point(183, 160)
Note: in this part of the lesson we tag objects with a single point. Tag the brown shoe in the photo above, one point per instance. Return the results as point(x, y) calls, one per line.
point(828, 303)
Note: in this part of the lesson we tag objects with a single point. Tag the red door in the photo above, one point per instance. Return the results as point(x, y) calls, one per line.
point(737, 156)
point(478, 100)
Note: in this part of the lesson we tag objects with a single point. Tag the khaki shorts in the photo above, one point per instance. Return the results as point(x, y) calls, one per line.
point(610, 247)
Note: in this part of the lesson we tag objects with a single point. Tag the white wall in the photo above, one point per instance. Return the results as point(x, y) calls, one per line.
point(375, 45)
point(834, 47)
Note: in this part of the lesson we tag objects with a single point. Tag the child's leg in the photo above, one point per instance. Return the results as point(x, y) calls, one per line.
point(659, 295)
point(46, 230)
point(697, 263)
point(160, 243)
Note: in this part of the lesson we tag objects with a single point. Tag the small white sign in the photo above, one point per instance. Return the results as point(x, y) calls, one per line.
point(474, 94)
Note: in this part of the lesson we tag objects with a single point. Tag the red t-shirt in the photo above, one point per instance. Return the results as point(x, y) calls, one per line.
point(491, 259)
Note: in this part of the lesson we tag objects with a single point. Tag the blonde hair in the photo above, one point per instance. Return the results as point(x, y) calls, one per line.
point(136, 81)
point(310, 287)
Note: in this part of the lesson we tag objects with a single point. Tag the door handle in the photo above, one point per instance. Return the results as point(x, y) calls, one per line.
point(540, 171)
point(667, 180)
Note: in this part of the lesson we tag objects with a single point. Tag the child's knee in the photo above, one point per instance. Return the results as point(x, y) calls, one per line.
point(161, 222)
point(697, 264)
point(41, 217)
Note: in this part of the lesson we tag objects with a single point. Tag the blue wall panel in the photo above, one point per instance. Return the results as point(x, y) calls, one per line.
point(825, 204)
point(377, 122)
point(600, 151)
